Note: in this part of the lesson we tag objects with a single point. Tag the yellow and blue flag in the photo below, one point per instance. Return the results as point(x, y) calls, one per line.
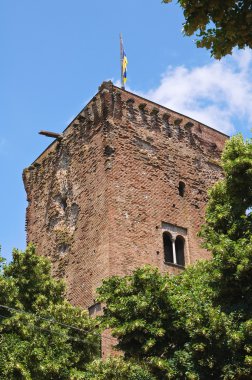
point(124, 63)
point(124, 67)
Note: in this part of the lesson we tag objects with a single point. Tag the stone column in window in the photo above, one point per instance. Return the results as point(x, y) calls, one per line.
point(174, 251)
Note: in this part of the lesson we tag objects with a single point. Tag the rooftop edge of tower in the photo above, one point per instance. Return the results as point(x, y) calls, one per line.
point(109, 87)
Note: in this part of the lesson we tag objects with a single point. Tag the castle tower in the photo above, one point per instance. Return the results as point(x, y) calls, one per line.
point(124, 185)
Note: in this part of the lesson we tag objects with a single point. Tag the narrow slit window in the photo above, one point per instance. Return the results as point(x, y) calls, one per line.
point(181, 189)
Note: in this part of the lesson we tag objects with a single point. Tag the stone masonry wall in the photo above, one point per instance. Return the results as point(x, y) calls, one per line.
point(99, 196)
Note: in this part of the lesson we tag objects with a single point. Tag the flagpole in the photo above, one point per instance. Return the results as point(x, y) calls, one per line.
point(121, 61)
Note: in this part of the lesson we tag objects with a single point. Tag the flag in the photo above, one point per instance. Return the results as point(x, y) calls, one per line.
point(124, 67)
point(124, 63)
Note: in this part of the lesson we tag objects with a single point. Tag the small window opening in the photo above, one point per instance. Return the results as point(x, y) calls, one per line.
point(179, 247)
point(168, 256)
point(63, 202)
point(94, 309)
point(181, 189)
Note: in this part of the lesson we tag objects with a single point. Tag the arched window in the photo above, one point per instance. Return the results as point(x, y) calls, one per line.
point(167, 240)
point(174, 243)
point(180, 247)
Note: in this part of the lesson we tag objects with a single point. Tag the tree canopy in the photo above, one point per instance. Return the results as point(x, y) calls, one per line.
point(117, 369)
point(197, 325)
point(220, 25)
point(41, 335)
point(194, 326)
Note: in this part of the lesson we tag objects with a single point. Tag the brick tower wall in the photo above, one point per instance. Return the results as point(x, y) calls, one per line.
point(153, 149)
point(68, 204)
point(99, 197)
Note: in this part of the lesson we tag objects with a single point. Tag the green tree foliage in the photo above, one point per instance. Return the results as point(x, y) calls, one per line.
point(116, 369)
point(41, 335)
point(197, 325)
point(220, 25)
point(228, 231)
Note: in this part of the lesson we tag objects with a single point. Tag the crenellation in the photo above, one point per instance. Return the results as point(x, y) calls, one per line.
point(155, 119)
point(178, 121)
point(96, 109)
point(142, 114)
point(166, 127)
point(76, 123)
point(188, 125)
point(106, 104)
point(118, 105)
point(81, 117)
point(89, 114)
point(131, 110)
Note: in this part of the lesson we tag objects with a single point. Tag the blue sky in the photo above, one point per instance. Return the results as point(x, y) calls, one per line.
point(55, 54)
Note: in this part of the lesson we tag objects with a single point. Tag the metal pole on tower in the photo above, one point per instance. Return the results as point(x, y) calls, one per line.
point(121, 61)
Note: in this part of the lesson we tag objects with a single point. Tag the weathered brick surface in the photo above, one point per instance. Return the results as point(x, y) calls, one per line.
point(98, 197)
